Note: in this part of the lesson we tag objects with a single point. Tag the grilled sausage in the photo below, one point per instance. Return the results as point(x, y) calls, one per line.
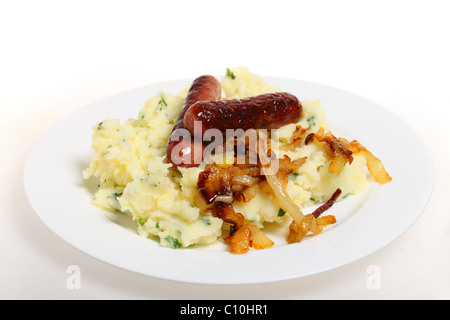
point(266, 111)
point(182, 152)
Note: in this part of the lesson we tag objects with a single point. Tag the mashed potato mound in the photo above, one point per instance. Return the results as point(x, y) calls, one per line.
point(134, 177)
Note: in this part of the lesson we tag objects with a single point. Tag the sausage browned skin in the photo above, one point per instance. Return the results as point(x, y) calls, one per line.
point(266, 111)
point(203, 88)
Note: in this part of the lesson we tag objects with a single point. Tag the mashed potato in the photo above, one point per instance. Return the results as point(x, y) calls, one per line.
point(134, 177)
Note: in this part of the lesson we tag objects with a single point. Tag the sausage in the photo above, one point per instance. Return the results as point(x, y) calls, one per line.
point(182, 152)
point(266, 111)
point(185, 153)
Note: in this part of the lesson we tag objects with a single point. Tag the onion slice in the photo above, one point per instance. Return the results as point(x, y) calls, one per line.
point(245, 180)
point(283, 198)
point(374, 164)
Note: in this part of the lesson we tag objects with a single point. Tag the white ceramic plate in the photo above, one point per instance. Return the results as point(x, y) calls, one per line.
point(366, 223)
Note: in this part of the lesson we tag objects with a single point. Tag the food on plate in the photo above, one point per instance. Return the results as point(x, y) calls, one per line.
point(220, 160)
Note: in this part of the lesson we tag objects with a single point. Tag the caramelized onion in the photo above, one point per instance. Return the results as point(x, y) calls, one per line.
point(339, 149)
point(374, 164)
point(225, 198)
point(225, 211)
point(309, 224)
point(245, 180)
point(247, 194)
point(284, 200)
point(297, 139)
point(281, 196)
point(327, 205)
point(214, 182)
point(240, 241)
point(248, 236)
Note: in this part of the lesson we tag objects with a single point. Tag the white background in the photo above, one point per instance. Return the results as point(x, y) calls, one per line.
point(58, 56)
